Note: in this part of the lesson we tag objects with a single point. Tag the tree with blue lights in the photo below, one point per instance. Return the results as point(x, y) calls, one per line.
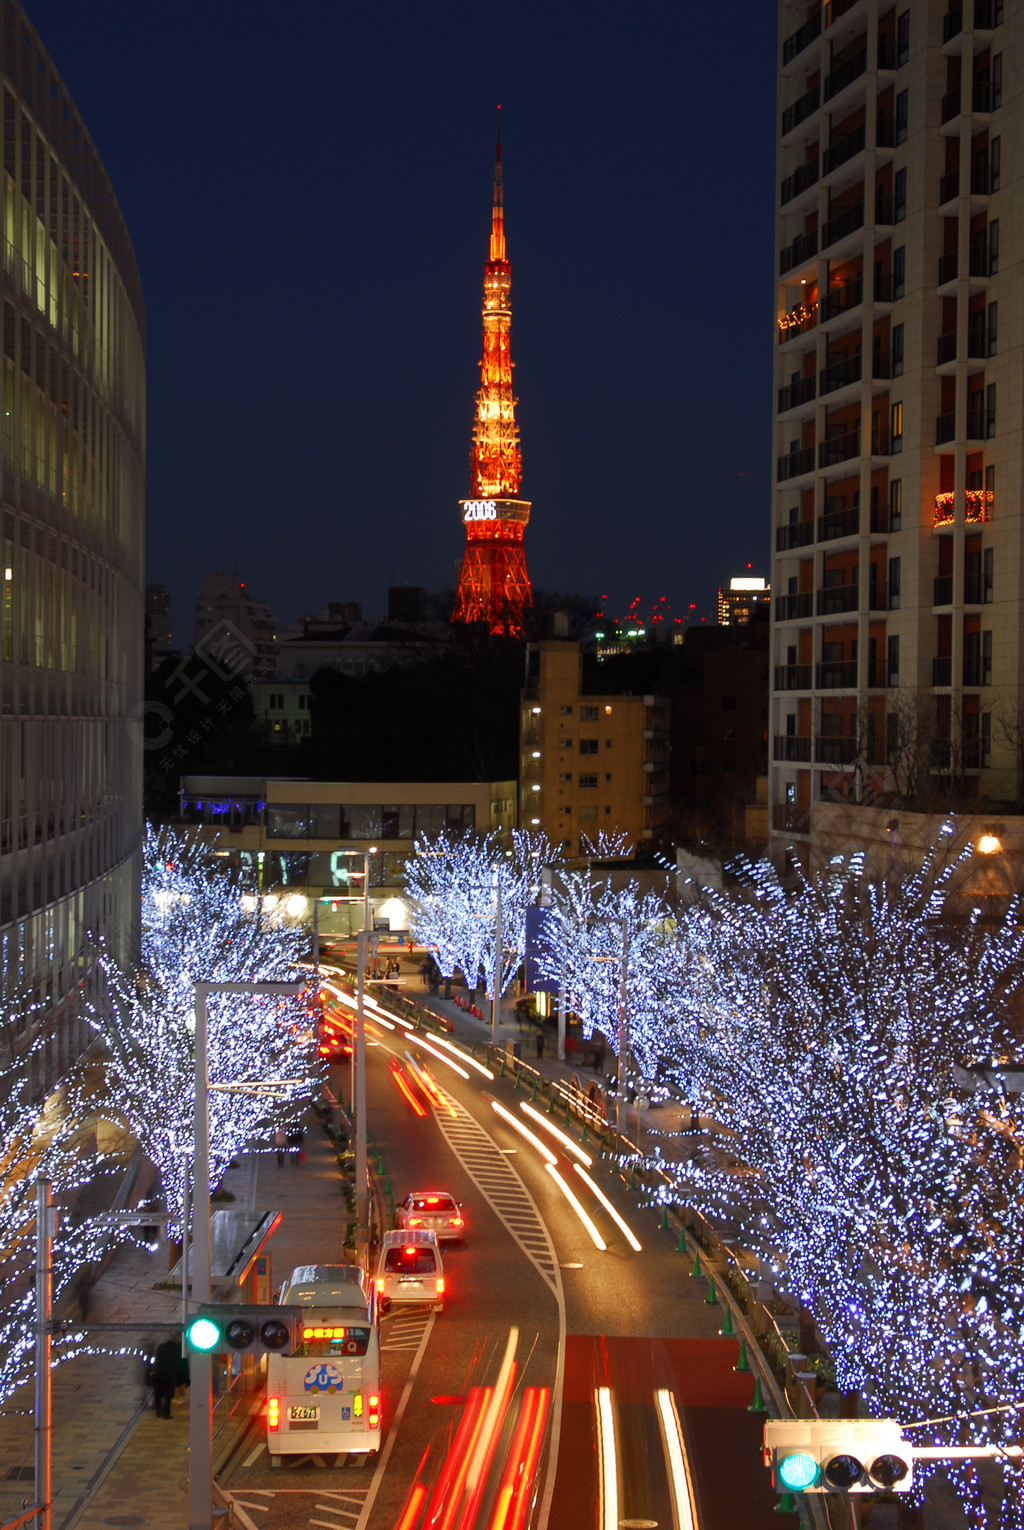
point(823, 1029)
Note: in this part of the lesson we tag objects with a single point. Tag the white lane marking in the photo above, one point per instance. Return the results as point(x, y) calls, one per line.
point(251, 1457)
point(261, 1508)
point(378, 1476)
point(240, 1514)
point(325, 1523)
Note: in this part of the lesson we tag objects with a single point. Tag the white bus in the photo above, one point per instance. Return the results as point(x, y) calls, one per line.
point(326, 1397)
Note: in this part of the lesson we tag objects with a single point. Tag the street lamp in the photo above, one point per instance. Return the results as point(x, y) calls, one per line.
point(200, 1508)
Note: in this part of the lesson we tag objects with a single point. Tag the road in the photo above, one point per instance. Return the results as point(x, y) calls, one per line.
point(623, 1402)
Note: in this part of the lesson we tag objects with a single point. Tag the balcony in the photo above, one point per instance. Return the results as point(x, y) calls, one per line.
point(978, 507)
point(791, 608)
point(830, 750)
point(838, 523)
point(844, 149)
point(801, 179)
point(942, 671)
point(840, 373)
point(790, 746)
point(837, 599)
point(839, 449)
point(979, 264)
point(945, 428)
point(796, 534)
point(845, 74)
point(952, 102)
point(841, 299)
point(976, 591)
point(787, 818)
point(836, 8)
point(848, 221)
point(800, 39)
point(979, 426)
point(795, 394)
point(977, 669)
point(795, 464)
point(952, 24)
point(942, 590)
point(983, 181)
point(792, 677)
point(838, 676)
point(801, 110)
point(803, 249)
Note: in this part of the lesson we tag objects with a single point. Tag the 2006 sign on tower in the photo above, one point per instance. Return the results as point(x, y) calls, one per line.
point(480, 510)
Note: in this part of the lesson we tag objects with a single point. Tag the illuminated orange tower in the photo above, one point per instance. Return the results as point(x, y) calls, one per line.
point(493, 585)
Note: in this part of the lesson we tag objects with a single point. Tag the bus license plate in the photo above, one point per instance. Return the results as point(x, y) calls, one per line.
point(303, 1412)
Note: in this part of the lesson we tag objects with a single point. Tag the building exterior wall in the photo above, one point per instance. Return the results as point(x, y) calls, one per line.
point(310, 837)
point(897, 529)
point(589, 763)
point(72, 449)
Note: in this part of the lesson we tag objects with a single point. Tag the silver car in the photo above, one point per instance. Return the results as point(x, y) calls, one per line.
point(432, 1211)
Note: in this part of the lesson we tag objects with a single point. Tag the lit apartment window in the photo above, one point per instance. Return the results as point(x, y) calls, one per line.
point(896, 428)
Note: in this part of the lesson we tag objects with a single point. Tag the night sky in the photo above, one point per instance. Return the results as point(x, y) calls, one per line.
point(308, 190)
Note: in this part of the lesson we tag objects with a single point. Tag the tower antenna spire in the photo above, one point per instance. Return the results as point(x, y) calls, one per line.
point(493, 585)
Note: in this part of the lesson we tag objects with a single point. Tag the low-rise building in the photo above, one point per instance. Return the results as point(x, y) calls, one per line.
point(589, 762)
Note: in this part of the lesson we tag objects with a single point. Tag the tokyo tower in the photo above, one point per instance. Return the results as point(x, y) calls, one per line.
point(493, 585)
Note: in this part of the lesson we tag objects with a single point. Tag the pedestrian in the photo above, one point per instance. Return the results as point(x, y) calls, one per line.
point(165, 1375)
point(540, 1043)
point(295, 1140)
point(398, 968)
point(280, 1143)
point(570, 1046)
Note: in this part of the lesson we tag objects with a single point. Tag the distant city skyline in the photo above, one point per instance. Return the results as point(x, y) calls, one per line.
point(310, 246)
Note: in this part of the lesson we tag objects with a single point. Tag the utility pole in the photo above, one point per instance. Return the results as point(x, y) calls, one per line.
point(499, 962)
point(45, 1228)
point(200, 1439)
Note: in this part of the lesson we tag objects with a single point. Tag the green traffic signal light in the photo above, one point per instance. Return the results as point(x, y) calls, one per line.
point(797, 1472)
point(203, 1334)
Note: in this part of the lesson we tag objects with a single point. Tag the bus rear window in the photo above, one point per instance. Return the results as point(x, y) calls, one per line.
point(320, 1340)
point(410, 1261)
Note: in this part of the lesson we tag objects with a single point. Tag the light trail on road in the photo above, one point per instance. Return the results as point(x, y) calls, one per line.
point(609, 1471)
point(606, 1203)
point(678, 1461)
point(524, 1131)
point(557, 1133)
point(584, 1217)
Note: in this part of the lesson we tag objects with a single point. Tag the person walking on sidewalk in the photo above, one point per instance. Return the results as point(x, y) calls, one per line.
point(540, 1043)
point(165, 1376)
point(280, 1143)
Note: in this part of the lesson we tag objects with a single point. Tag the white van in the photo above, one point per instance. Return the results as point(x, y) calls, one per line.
point(326, 1397)
point(409, 1269)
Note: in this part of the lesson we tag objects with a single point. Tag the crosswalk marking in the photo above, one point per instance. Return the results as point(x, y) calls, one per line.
point(500, 1185)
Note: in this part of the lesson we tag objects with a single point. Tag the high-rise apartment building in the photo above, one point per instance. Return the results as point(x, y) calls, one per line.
point(746, 600)
point(72, 434)
point(898, 540)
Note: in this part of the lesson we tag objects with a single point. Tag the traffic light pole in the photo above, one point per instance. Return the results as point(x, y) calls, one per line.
point(200, 1440)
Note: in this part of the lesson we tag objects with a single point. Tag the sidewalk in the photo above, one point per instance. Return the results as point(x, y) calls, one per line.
point(105, 1438)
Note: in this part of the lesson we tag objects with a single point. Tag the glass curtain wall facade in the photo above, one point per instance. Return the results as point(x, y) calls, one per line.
point(72, 433)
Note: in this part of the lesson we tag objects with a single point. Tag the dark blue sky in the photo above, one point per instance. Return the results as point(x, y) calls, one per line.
point(308, 190)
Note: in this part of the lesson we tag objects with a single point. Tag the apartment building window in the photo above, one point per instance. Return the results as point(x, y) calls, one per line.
point(588, 781)
point(990, 479)
point(901, 117)
point(993, 247)
point(892, 737)
point(892, 659)
point(566, 812)
point(897, 350)
point(990, 410)
point(894, 584)
point(997, 81)
point(607, 743)
point(988, 560)
point(899, 272)
point(985, 757)
point(986, 658)
point(994, 158)
point(565, 776)
point(902, 38)
point(588, 746)
point(895, 504)
point(588, 814)
point(588, 714)
point(565, 711)
point(607, 775)
point(608, 811)
point(896, 428)
point(899, 196)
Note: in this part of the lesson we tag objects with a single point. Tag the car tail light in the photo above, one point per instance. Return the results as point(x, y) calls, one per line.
point(273, 1413)
point(457, 1221)
point(440, 1285)
point(373, 1412)
point(380, 1285)
point(415, 1221)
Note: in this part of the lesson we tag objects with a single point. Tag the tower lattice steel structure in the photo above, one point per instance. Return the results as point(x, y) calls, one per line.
point(494, 586)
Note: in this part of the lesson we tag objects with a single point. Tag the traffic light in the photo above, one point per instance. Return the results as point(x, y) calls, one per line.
point(231, 1328)
point(864, 1455)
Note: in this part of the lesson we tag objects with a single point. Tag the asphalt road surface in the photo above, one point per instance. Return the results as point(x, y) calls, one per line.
point(563, 1385)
